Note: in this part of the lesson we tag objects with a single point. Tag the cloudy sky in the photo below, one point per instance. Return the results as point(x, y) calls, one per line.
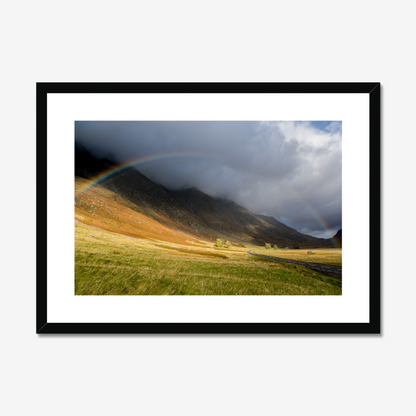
point(287, 169)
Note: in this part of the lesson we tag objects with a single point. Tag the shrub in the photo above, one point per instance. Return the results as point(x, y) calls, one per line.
point(218, 242)
point(268, 246)
point(275, 247)
point(311, 252)
point(228, 244)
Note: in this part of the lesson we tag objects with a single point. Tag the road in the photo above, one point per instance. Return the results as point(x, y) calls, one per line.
point(327, 270)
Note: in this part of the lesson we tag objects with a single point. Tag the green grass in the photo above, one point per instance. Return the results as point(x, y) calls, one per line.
point(108, 263)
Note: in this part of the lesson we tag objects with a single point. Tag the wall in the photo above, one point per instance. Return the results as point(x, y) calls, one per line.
point(215, 41)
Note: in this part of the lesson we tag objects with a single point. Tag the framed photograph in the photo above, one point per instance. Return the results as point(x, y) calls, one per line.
point(208, 208)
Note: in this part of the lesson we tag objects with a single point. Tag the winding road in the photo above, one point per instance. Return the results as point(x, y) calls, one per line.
point(327, 270)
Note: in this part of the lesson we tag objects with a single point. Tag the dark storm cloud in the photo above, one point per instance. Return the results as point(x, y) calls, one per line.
point(290, 170)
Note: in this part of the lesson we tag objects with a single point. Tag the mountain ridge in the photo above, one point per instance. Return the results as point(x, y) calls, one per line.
point(192, 211)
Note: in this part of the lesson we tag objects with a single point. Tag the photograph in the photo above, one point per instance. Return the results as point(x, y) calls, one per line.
point(210, 207)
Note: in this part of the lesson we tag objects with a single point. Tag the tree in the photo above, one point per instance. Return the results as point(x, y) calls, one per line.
point(268, 246)
point(228, 244)
point(218, 242)
point(275, 247)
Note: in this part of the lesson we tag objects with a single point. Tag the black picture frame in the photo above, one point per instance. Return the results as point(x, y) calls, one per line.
point(372, 89)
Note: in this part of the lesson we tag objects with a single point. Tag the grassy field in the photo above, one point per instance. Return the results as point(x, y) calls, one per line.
point(121, 250)
point(108, 263)
point(331, 256)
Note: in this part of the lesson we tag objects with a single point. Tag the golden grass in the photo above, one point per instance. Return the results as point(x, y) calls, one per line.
point(189, 251)
point(332, 256)
point(102, 208)
point(107, 263)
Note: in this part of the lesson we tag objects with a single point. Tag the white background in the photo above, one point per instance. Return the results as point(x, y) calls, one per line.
point(215, 41)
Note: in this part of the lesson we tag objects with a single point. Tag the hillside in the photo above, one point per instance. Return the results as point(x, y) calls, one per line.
point(337, 238)
point(184, 212)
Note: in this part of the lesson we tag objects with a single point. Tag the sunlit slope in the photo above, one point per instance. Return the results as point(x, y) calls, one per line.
point(149, 198)
point(102, 208)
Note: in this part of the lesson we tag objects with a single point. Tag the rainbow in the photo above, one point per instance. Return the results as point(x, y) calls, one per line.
point(161, 157)
point(118, 170)
point(320, 221)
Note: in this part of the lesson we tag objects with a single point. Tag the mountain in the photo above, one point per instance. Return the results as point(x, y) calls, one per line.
point(235, 221)
point(337, 238)
point(189, 211)
point(149, 198)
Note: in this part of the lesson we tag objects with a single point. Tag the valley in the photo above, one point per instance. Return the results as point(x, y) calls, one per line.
point(110, 263)
point(134, 237)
